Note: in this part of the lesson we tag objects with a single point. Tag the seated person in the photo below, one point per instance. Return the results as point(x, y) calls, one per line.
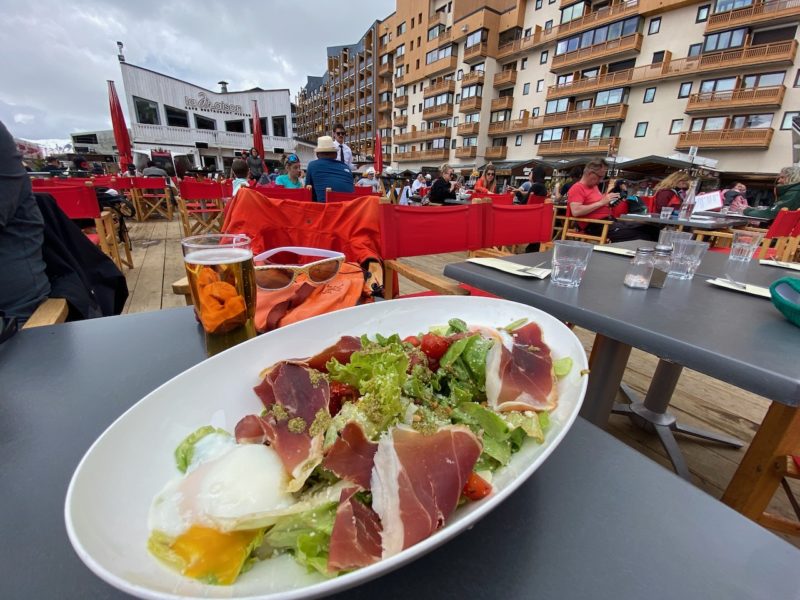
point(327, 172)
point(53, 166)
point(788, 195)
point(419, 182)
point(533, 187)
point(735, 198)
point(487, 183)
point(586, 200)
point(634, 205)
point(153, 170)
point(671, 190)
point(444, 188)
point(291, 179)
point(370, 180)
point(240, 170)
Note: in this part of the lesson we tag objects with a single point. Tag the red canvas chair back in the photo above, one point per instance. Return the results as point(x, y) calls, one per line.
point(102, 181)
point(77, 201)
point(536, 199)
point(786, 224)
point(420, 230)
point(649, 202)
point(191, 189)
point(148, 183)
point(506, 199)
point(364, 190)
point(331, 196)
point(121, 184)
point(227, 188)
point(509, 225)
point(281, 193)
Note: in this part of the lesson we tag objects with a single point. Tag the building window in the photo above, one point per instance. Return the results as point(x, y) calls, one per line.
point(537, 139)
point(540, 85)
point(471, 91)
point(556, 106)
point(702, 13)
point(654, 26)
point(548, 25)
point(709, 124)
point(552, 135)
point(499, 116)
point(204, 123)
point(401, 29)
point(762, 80)
point(695, 50)
point(607, 97)
point(453, 144)
point(787, 119)
point(176, 117)
point(527, 33)
point(676, 126)
point(526, 89)
point(686, 89)
point(599, 35)
point(658, 57)
point(641, 129)
point(475, 38)
point(518, 140)
point(543, 57)
point(524, 64)
point(649, 95)
point(237, 126)
point(751, 121)
point(400, 51)
point(725, 40)
point(538, 4)
point(146, 111)
point(469, 142)
point(535, 111)
point(279, 126)
point(264, 128)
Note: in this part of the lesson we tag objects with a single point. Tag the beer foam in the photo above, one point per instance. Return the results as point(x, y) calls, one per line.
point(218, 256)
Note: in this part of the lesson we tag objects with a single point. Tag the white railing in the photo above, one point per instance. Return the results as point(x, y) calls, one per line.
point(184, 136)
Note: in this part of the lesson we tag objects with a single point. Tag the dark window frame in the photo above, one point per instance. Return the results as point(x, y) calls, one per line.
point(681, 94)
point(636, 133)
point(652, 97)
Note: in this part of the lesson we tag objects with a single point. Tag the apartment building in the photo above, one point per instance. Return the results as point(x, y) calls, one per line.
point(566, 79)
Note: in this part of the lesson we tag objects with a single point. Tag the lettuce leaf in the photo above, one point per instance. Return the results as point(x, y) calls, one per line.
point(562, 367)
point(185, 450)
point(306, 536)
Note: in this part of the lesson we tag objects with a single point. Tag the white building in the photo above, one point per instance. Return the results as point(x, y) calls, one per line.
point(209, 128)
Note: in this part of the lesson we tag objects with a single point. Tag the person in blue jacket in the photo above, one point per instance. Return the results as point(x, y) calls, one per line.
point(327, 172)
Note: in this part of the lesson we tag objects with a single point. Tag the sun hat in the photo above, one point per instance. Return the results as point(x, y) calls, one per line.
point(370, 170)
point(325, 144)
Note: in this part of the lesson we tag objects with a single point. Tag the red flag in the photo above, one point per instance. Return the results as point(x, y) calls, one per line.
point(378, 154)
point(121, 137)
point(258, 141)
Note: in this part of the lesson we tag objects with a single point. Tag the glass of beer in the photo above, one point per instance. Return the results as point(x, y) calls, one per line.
point(222, 280)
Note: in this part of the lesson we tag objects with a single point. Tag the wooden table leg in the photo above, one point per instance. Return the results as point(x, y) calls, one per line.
point(756, 481)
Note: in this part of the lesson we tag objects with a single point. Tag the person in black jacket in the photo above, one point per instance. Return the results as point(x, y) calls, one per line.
point(444, 187)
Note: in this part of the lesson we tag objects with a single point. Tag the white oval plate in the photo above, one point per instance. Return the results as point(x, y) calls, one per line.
point(111, 490)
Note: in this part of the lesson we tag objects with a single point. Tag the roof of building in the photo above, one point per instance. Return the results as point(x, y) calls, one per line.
point(255, 89)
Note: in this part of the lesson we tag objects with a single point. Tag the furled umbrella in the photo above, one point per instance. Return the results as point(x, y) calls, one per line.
point(258, 141)
point(378, 153)
point(121, 137)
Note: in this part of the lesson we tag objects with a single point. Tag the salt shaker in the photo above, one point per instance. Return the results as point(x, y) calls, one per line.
point(641, 269)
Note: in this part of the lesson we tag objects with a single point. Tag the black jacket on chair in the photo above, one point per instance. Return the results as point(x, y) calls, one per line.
point(79, 271)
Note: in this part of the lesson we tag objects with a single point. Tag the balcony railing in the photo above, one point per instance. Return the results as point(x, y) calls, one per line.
point(496, 152)
point(752, 97)
point(468, 128)
point(401, 121)
point(437, 112)
point(778, 52)
point(401, 101)
point(384, 124)
point(628, 44)
point(724, 139)
point(590, 146)
point(165, 135)
point(514, 126)
point(472, 104)
point(504, 103)
point(424, 134)
point(468, 152)
point(386, 69)
point(476, 52)
point(773, 11)
point(505, 78)
point(448, 63)
point(472, 77)
point(600, 17)
point(615, 112)
point(440, 87)
point(384, 106)
point(438, 154)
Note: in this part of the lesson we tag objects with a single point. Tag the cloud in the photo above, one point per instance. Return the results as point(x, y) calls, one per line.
point(62, 54)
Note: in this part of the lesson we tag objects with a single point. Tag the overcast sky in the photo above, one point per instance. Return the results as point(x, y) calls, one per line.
point(57, 55)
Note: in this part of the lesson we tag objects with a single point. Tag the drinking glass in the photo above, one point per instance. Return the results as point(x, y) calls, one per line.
point(744, 244)
point(222, 280)
point(686, 257)
point(667, 236)
point(569, 262)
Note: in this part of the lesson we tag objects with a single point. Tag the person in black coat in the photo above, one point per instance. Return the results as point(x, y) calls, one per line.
point(444, 187)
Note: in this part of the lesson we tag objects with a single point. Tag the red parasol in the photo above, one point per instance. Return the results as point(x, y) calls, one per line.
point(121, 136)
point(378, 153)
point(258, 141)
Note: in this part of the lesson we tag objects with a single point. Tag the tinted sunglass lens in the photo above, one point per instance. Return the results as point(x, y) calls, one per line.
point(273, 279)
point(324, 271)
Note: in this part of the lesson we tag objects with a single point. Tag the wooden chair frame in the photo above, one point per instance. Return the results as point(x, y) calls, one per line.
point(49, 312)
point(785, 247)
point(148, 203)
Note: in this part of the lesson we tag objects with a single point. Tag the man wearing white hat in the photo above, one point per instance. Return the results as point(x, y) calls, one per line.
point(369, 180)
point(326, 171)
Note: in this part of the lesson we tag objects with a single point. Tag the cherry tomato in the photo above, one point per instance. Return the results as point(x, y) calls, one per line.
point(477, 487)
point(434, 346)
point(340, 393)
point(413, 340)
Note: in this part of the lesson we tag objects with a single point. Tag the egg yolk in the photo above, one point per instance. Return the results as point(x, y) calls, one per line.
point(213, 556)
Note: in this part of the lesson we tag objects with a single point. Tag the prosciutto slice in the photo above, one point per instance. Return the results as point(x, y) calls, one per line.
point(351, 456)
point(341, 351)
point(293, 396)
point(521, 377)
point(356, 536)
point(417, 481)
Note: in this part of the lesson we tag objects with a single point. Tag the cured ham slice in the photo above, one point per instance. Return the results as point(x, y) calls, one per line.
point(341, 351)
point(351, 456)
point(521, 377)
point(293, 395)
point(252, 429)
point(356, 536)
point(417, 481)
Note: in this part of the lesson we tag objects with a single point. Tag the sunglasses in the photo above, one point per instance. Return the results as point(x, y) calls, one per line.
point(285, 264)
point(339, 132)
point(490, 173)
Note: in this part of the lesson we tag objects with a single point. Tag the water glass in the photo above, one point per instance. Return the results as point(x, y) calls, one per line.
point(667, 236)
point(569, 262)
point(686, 257)
point(666, 212)
point(745, 243)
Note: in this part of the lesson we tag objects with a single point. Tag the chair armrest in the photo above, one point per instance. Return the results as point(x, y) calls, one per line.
point(49, 312)
point(435, 283)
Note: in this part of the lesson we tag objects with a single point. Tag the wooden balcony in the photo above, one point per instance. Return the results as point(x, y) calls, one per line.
point(726, 139)
point(384, 124)
point(602, 114)
point(468, 128)
point(439, 154)
point(514, 126)
point(504, 103)
point(443, 65)
point(442, 111)
point(384, 107)
point(608, 14)
point(422, 135)
point(772, 12)
point(571, 147)
point(470, 105)
point(618, 48)
point(440, 87)
point(764, 54)
point(386, 69)
point(468, 152)
point(472, 77)
point(401, 121)
point(476, 52)
point(505, 79)
point(496, 152)
point(401, 101)
point(753, 97)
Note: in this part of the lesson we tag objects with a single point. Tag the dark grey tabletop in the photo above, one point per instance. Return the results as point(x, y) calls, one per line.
point(729, 335)
point(714, 223)
point(579, 528)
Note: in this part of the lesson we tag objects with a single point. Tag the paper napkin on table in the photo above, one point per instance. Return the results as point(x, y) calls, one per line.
point(615, 250)
point(781, 263)
point(513, 268)
point(745, 288)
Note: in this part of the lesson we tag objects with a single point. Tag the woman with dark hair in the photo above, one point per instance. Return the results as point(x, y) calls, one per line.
point(256, 164)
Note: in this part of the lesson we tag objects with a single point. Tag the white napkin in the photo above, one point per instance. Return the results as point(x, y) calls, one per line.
point(745, 288)
point(615, 250)
point(781, 263)
point(509, 267)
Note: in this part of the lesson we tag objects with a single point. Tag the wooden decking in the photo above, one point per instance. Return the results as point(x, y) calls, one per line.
point(698, 400)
